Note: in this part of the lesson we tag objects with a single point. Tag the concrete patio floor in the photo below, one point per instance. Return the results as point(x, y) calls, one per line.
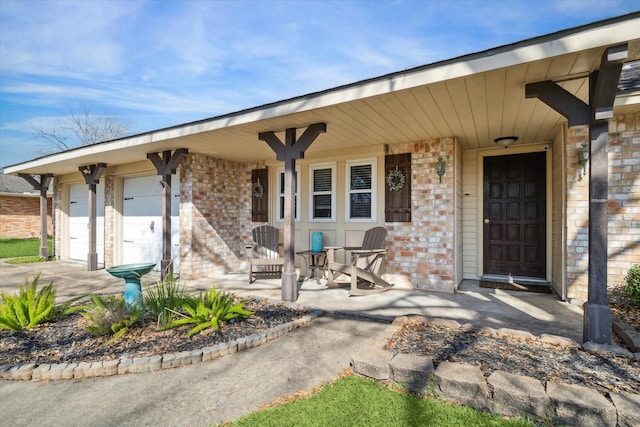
point(533, 312)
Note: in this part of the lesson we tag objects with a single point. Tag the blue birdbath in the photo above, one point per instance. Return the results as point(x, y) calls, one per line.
point(131, 273)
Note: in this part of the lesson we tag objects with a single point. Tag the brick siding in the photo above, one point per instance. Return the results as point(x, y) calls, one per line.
point(624, 205)
point(215, 215)
point(422, 252)
point(20, 216)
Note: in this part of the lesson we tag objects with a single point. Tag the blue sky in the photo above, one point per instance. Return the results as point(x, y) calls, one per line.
point(156, 64)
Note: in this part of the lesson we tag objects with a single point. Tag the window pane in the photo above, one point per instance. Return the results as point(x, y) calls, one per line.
point(322, 180)
point(322, 206)
point(281, 207)
point(360, 205)
point(295, 175)
point(361, 177)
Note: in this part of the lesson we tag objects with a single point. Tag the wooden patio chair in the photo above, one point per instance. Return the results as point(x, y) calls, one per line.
point(264, 252)
point(366, 267)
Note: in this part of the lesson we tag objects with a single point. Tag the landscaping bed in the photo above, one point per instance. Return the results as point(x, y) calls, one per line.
point(603, 371)
point(68, 341)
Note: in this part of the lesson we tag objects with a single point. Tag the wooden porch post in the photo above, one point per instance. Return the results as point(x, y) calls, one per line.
point(166, 166)
point(603, 84)
point(92, 174)
point(288, 152)
point(42, 186)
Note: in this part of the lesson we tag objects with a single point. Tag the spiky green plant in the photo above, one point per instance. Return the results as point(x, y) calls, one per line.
point(164, 299)
point(209, 311)
point(31, 307)
point(110, 316)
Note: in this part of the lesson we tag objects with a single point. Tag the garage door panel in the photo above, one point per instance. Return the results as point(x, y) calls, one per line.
point(79, 222)
point(142, 220)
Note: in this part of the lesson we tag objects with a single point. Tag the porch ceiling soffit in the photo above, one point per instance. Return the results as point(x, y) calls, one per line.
point(474, 98)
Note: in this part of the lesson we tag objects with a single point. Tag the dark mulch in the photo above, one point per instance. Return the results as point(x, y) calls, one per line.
point(605, 372)
point(67, 339)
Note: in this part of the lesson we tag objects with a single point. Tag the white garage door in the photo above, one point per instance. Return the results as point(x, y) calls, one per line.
point(79, 222)
point(142, 221)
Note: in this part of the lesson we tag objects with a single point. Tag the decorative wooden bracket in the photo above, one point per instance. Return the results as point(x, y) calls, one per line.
point(92, 173)
point(292, 148)
point(42, 185)
point(168, 164)
point(603, 86)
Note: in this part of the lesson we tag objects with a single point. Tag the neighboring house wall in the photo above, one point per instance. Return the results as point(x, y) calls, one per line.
point(624, 205)
point(20, 216)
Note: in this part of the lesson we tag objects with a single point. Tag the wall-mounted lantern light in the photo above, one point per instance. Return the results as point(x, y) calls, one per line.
point(441, 167)
point(583, 157)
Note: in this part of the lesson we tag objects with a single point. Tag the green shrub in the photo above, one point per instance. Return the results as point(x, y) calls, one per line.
point(209, 311)
point(165, 299)
point(31, 307)
point(110, 316)
point(632, 285)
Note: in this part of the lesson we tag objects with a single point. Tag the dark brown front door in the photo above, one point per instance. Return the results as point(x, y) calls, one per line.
point(514, 215)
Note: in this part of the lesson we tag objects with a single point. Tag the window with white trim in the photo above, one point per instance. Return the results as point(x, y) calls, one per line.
point(323, 185)
point(280, 206)
point(361, 190)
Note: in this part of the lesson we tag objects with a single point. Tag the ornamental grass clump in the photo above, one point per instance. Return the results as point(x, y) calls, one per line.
point(110, 316)
point(164, 299)
point(31, 307)
point(209, 311)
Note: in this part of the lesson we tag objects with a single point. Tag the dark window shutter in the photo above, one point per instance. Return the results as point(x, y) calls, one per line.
point(397, 200)
point(260, 195)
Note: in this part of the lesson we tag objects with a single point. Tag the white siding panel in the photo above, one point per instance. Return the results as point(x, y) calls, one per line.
point(469, 215)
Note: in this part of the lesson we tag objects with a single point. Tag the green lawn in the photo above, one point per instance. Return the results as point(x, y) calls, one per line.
point(14, 248)
point(356, 401)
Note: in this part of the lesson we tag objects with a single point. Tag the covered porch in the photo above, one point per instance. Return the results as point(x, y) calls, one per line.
point(438, 125)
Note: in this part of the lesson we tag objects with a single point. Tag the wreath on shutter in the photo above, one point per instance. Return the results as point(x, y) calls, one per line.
point(395, 179)
point(257, 190)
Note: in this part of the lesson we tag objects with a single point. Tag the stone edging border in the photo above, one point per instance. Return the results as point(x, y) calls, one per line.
point(81, 370)
point(502, 392)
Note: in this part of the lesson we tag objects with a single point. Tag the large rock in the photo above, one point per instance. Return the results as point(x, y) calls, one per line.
point(580, 406)
point(517, 395)
point(413, 371)
point(463, 384)
point(372, 362)
point(628, 408)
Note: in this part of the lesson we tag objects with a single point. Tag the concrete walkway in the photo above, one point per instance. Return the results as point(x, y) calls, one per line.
point(237, 384)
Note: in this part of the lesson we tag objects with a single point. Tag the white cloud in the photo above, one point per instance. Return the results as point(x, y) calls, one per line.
point(62, 37)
